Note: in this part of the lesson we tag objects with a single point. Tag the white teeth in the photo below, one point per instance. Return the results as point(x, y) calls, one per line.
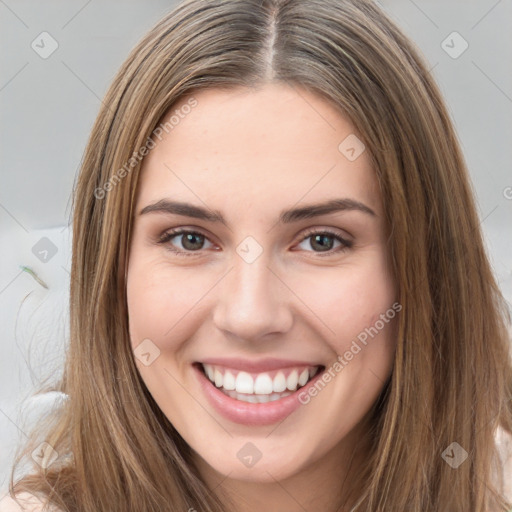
point(263, 388)
point(218, 378)
point(263, 384)
point(244, 383)
point(292, 380)
point(209, 371)
point(304, 377)
point(262, 399)
point(229, 381)
point(279, 383)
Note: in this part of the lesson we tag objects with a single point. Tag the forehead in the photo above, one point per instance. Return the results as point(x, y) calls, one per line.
point(273, 145)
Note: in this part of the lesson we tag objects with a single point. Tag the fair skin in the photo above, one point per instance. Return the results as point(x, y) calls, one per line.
point(25, 502)
point(249, 154)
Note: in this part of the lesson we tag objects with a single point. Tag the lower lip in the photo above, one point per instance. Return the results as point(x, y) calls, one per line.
point(246, 413)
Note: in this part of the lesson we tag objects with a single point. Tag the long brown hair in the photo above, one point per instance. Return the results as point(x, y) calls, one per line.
point(452, 377)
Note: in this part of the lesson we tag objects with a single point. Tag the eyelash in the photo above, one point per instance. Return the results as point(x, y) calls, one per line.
point(169, 235)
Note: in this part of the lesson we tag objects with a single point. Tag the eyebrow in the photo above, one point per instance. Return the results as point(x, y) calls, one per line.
point(285, 217)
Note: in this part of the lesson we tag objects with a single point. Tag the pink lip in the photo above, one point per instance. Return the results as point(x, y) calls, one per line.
point(263, 365)
point(246, 413)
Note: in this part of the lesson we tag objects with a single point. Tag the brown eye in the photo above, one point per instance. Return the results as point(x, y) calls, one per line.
point(192, 241)
point(323, 241)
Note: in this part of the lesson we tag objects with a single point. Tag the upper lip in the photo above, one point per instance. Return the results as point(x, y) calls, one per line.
point(256, 366)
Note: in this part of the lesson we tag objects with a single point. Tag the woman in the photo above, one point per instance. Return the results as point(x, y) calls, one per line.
point(224, 355)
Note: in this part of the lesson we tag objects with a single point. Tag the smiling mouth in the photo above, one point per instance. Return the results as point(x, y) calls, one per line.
point(258, 387)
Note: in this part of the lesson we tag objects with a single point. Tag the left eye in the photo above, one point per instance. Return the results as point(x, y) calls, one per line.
point(192, 241)
point(318, 239)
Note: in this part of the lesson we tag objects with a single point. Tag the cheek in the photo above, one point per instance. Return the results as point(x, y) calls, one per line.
point(154, 301)
point(159, 307)
point(348, 301)
point(164, 304)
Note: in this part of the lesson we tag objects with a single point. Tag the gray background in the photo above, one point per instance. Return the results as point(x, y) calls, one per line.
point(48, 106)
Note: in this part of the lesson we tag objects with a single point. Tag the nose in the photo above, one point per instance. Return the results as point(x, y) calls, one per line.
point(253, 301)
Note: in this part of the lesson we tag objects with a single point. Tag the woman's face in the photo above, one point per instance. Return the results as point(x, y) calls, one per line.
point(293, 324)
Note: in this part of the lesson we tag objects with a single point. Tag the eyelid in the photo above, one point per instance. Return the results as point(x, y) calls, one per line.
point(167, 235)
point(331, 231)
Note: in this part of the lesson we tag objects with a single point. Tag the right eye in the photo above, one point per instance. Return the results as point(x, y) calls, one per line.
point(190, 241)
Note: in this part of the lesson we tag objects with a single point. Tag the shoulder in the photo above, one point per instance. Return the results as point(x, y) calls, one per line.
point(25, 502)
point(504, 445)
